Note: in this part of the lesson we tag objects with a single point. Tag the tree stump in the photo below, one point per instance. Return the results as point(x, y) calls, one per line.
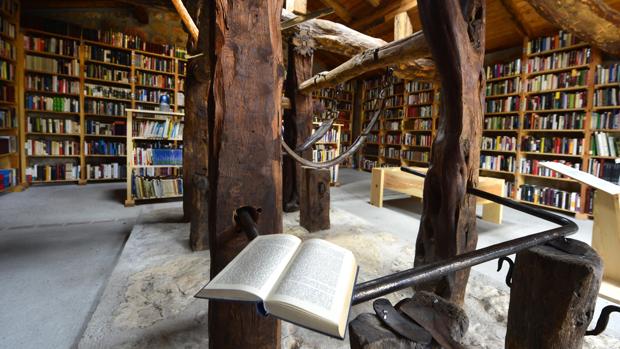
point(553, 295)
point(314, 200)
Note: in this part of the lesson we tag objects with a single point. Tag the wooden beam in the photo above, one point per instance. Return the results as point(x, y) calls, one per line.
point(340, 10)
point(289, 23)
point(412, 49)
point(186, 18)
point(387, 12)
point(593, 21)
point(299, 7)
point(454, 30)
point(516, 18)
point(402, 26)
point(374, 3)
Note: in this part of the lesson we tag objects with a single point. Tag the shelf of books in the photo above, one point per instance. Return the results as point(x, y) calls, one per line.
point(328, 148)
point(419, 122)
point(154, 155)
point(77, 88)
point(9, 123)
point(370, 155)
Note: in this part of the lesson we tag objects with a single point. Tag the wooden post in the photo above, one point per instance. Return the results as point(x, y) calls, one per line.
point(297, 124)
point(195, 132)
point(454, 31)
point(244, 121)
point(553, 295)
point(606, 241)
point(314, 203)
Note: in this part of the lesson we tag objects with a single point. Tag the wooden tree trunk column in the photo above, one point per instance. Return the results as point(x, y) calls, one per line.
point(244, 151)
point(314, 205)
point(553, 296)
point(297, 124)
point(195, 133)
point(454, 31)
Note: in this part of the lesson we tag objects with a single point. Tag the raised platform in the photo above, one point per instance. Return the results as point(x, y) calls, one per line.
point(148, 302)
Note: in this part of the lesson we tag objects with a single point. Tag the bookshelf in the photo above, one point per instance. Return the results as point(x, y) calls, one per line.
point(78, 86)
point(154, 155)
point(9, 86)
point(419, 124)
point(328, 148)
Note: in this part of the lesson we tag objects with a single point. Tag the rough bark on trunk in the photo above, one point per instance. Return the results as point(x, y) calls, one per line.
point(244, 152)
point(455, 32)
point(297, 125)
point(195, 132)
point(314, 205)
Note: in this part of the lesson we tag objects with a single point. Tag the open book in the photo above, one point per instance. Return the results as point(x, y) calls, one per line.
point(309, 283)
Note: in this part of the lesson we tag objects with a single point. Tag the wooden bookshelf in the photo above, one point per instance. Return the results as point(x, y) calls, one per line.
point(134, 163)
point(329, 147)
point(97, 91)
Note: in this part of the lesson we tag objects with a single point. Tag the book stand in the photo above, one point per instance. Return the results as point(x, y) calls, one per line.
point(606, 228)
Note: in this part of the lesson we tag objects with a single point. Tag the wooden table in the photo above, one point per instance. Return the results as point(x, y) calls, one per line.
point(394, 179)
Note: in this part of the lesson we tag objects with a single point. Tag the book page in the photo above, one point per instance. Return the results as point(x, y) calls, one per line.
point(316, 288)
point(253, 273)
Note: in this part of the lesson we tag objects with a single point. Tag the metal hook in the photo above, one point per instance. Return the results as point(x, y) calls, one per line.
point(603, 319)
point(500, 263)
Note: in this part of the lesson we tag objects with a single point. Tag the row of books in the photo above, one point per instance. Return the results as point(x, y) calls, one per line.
point(605, 120)
point(7, 93)
point(116, 128)
point(152, 96)
point(51, 45)
point(503, 143)
point(607, 97)
point(52, 83)
point(395, 89)
point(608, 170)
point(48, 147)
point(393, 114)
point(509, 122)
point(105, 107)
point(394, 101)
point(8, 118)
point(56, 172)
point(127, 41)
point(503, 69)
point(506, 104)
point(390, 152)
point(53, 65)
point(112, 170)
point(8, 144)
point(372, 138)
point(565, 200)
point(95, 71)
point(8, 178)
point(92, 90)
point(532, 166)
point(420, 98)
point(151, 188)
point(368, 164)
point(560, 60)
point(378, 81)
point(564, 121)
point(414, 85)
point(556, 41)
point(391, 125)
point(322, 153)
point(415, 155)
point(157, 156)
point(7, 70)
point(552, 145)
point(607, 75)
point(105, 147)
point(557, 100)
point(52, 125)
point(170, 129)
point(158, 171)
point(424, 140)
point(425, 111)
point(503, 87)
point(391, 139)
point(154, 80)
point(578, 78)
point(497, 162)
point(10, 6)
point(417, 124)
point(7, 28)
point(602, 144)
point(331, 93)
point(7, 49)
point(55, 104)
point(106, 55)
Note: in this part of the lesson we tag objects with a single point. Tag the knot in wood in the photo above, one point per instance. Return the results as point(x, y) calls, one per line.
point(304, 43)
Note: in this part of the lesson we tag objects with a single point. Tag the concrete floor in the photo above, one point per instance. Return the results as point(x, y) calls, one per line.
point(59, 244)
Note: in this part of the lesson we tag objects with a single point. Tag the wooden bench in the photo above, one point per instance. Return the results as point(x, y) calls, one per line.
point(394, 179)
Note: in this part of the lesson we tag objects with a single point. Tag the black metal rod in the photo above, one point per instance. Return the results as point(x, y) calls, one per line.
point(245, 220)
point(407, 278)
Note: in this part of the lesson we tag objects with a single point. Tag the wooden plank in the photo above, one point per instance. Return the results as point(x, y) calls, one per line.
point(376, 187)
point(516, 18)
point(244, 151)
point(340, 10)
point(299, 7)
point(374, 3)
point(387, 12)
point(402, 26)
point(606, 233)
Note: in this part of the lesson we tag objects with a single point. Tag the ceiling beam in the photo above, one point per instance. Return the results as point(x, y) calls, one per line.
point(402, 26)
point(374, 3)
point(298, 7)
point(340, 10)
point(516, 18)
point(386, 13)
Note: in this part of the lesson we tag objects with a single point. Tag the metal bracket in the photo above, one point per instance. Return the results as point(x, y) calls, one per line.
point(511, 264)
point(603, 320)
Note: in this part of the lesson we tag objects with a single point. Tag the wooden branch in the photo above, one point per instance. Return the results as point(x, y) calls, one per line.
point(406, 50)
point(340, 10)
point(289, 23)
point(335, 37)
point(591, 20)
point(186, 18)
point(454, 30)
point(516, 18)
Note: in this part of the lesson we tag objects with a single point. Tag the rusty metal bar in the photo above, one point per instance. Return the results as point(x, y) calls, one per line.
point(391, 283)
